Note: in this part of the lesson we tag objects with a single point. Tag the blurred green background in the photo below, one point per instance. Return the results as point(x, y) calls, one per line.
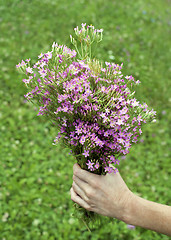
point(35, 176)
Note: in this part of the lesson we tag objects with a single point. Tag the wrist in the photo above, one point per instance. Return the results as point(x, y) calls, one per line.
point(129, 209)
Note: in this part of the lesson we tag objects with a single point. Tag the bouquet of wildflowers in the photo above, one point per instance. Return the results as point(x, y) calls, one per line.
point(90, 103)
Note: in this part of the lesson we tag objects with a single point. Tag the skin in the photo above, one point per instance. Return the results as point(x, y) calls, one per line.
point(109, 196)
point(106, 195)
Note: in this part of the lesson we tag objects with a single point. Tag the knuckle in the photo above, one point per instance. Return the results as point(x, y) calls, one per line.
point(89, 193)
point(95, 184)
point(88, 208)
point(88, 201)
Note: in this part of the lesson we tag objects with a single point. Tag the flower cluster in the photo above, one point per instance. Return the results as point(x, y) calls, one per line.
point(91, 104)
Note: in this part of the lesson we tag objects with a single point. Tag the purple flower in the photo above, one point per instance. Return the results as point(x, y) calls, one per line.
point(90, 165)
point(105, 119)
point(134, 129)
point(48, 55)
point(140, 131)
point(138, 82)
point(65, 109)
point(78, 130)
point(41, 55)
point(43, 73)
point(112, 158)
point(29, 70)
point(82, 139)
point(106, 134)
point(97, 165)
point(86, 153)
point(121, 140)
point(127, 144)
point(110, 169)
point(83, 24)
point(28, 60)
point(131, 227)
point(116, 161)
point(97, 141)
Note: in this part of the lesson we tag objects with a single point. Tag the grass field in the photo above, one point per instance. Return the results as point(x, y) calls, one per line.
point(35, 176)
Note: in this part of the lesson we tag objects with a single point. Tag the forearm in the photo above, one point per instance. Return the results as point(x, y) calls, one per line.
point(149, 215)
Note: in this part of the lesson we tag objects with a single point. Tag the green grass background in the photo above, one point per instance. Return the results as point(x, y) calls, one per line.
point(35, 176)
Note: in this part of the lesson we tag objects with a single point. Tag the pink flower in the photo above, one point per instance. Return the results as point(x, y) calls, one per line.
point(95, 107)
point(112, 158)
point(41, 55)
point(110, 169)
point(29, 70)
point(82, 140)
point(28, 60)
point(140, 131)
point(90, 165)
point(97, 165)
point(131, 227)
point(86, 153)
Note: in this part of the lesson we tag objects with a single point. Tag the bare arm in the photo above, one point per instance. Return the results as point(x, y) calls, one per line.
point(150, 215)
point(109, 196)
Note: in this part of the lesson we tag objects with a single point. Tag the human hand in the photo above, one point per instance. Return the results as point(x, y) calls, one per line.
point(106, 195)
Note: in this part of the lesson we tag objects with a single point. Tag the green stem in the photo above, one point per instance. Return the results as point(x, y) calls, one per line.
point(82, 50)
point(86, 225)
point(90, 51)
point(77, 51)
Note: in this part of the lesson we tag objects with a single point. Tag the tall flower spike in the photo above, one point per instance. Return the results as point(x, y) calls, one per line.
point(85, 37)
